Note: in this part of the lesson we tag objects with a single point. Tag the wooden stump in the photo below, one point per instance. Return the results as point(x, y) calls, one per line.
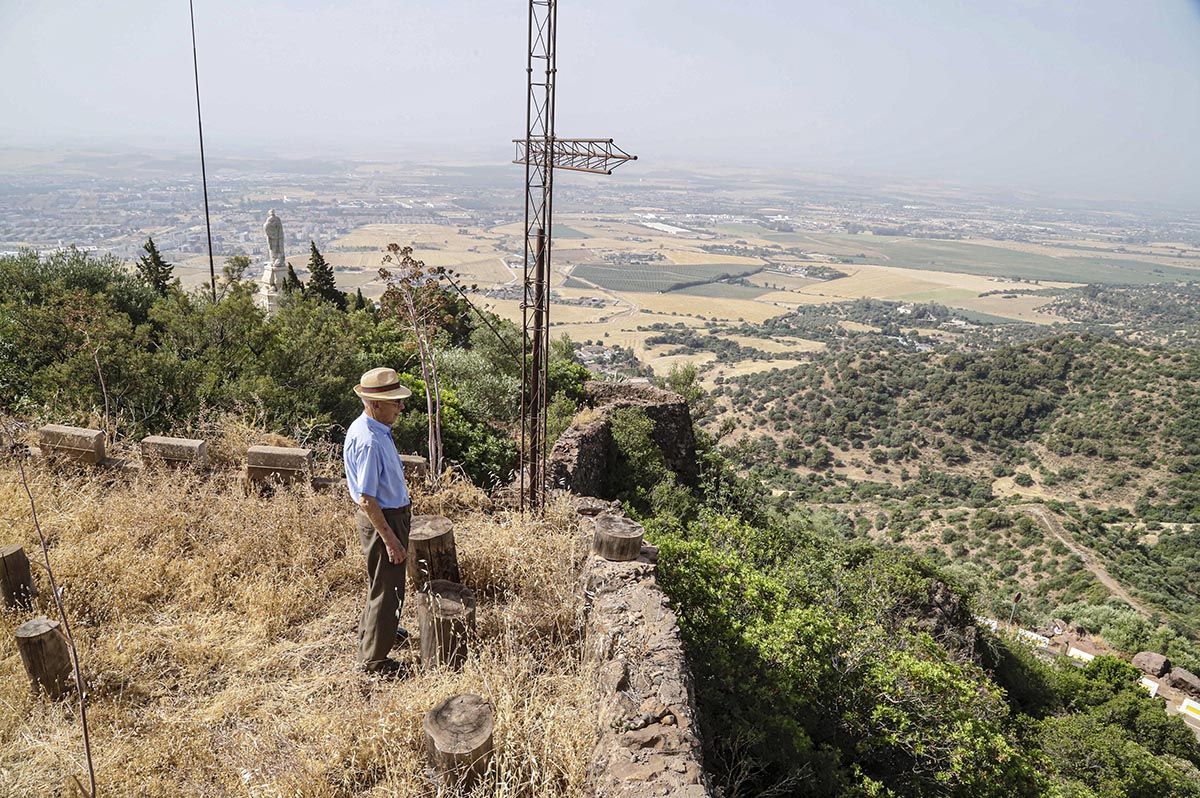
point(616, 537)
point(44, 651)
point(446, 612)
point(16, 581)
point(431, 552)
point(458, 736)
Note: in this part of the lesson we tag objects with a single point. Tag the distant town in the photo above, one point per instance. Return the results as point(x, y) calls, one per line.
point(112, 204)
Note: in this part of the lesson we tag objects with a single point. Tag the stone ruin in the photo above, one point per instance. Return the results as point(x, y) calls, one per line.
point(585, 452)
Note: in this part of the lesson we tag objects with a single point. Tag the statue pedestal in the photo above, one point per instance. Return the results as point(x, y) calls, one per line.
point(267, 296)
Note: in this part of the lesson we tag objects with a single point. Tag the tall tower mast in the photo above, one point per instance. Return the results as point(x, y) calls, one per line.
point(542, 152)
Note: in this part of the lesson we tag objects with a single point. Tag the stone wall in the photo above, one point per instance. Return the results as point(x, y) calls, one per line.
point(583, 453)
point(647, 743)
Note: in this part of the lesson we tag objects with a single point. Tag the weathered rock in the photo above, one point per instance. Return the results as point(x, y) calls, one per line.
point(1184, 680)
point(1152, 663)
point(669, 412)
point(590, 505)
point(415, 466)
point(580, 459)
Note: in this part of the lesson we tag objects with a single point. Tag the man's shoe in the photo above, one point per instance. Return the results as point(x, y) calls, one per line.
point(385, 669)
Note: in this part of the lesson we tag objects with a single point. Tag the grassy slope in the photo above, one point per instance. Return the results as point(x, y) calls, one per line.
point(217, 634)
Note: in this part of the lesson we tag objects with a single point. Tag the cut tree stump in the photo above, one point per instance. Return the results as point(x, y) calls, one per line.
point(616, 537)
point(446, 612)
point(44, 651)
point(431, 553)
point(458, 736)
point(16, 580)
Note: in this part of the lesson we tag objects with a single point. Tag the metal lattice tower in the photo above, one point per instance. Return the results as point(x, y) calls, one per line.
point(541, 153)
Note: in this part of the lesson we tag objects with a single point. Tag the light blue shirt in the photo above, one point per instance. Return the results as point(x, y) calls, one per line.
point(373, 465)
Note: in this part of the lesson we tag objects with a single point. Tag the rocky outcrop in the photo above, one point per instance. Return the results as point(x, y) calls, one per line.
point(648, 742)
point(581, 457)
point(584, 453)
point(945, 616)
point(1151, 663)
point(1185, 680)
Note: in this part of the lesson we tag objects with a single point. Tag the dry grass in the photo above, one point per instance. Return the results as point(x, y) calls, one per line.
point(217, 634)
point(690, 257)
point(229, 433)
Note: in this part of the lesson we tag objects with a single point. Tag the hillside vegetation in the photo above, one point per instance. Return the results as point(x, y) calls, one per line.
point(84, 340)
point(938, 450)
point(828, 665)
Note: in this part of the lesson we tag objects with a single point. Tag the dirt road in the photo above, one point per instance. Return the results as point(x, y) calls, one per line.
point(1052, 525)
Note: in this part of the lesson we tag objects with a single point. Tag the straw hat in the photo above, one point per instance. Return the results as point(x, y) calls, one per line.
point(381, 384)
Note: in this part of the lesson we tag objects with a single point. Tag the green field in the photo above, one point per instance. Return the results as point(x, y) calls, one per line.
point(657, 278)
point(562, 231)
point(988, 261)
point(724, 291)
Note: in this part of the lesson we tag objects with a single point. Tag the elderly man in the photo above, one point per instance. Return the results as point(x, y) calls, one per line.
point(375, 478)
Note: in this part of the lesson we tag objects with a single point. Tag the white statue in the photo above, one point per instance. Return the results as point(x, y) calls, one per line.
point(273, 271)
point(273, 227)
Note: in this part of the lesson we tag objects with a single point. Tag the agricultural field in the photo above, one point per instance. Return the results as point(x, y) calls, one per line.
point(656, 277)
point(779, 281)
point(999, 261)
point(475, 254)
point(746, 274)
point(778, 345)
point(723, 291)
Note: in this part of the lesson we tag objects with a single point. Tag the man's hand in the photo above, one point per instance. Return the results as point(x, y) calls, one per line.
point(396, 552)
point(395, 549)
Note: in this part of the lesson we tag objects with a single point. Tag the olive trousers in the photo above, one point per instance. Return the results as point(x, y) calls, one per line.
point(385, 587)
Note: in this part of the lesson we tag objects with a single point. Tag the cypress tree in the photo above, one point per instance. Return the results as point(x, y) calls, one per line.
point(291, 283)
point(360, 303)
point(320, 280)
point(155, 271)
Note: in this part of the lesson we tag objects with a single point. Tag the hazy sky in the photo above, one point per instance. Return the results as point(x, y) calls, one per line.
point(1094, 97)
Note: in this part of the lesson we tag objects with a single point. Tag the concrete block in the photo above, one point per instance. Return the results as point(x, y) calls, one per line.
point(175, 450)
point(414, 465)
point(72, 443)
point(264, 463)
